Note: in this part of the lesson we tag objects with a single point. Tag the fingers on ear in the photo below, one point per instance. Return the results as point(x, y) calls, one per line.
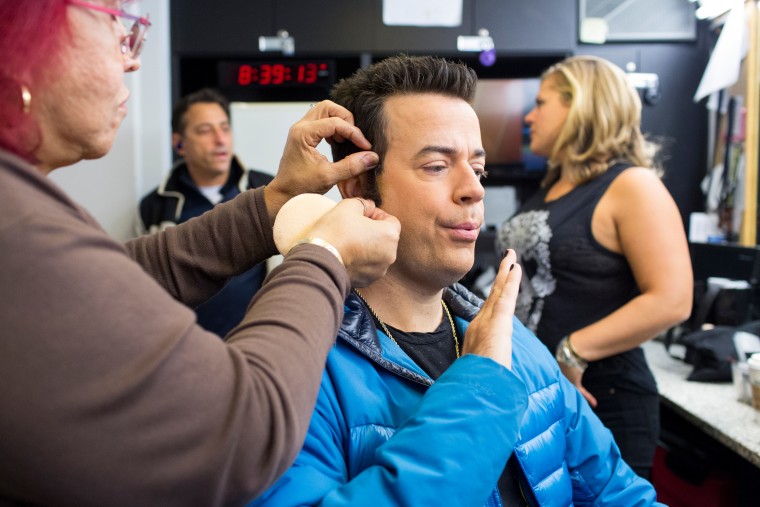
point(351, 187)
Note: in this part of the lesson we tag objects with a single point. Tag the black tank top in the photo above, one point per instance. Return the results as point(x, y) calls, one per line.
point(570, 280)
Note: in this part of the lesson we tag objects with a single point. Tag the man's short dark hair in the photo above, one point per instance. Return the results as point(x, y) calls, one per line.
point(365, 93)
point(203, 96)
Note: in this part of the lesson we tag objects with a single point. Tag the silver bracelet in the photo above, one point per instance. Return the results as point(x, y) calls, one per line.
point(324, 244)
point(566, 356)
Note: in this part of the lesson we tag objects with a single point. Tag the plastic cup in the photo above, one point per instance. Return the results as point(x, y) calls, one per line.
point(754, 380)
point(740, 377)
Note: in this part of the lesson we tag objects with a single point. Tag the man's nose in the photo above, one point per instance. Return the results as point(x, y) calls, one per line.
point(220, 136)
point(469, 188)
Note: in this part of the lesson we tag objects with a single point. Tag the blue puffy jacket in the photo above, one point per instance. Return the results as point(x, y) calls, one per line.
point(383, 433)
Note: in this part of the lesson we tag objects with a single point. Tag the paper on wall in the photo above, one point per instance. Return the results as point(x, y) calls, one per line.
point(422, 12)
point(725, 62)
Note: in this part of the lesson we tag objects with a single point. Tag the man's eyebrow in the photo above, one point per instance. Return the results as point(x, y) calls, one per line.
point(210, 124)
point(447, 150)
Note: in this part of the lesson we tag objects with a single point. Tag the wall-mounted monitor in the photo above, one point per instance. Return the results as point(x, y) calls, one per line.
point(505, 93)
point(501, 106)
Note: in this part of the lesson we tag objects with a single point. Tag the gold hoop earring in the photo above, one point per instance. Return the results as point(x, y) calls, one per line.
point(26, 98)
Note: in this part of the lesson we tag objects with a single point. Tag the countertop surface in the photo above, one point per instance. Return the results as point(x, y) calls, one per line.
point(713, 407)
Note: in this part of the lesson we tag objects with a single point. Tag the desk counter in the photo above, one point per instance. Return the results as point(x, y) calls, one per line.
point(713, 407)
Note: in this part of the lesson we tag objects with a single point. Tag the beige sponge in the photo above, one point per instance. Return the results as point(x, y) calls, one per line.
point(297, 217)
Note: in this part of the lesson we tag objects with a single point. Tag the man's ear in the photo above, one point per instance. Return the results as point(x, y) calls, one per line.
point(177, 144)
point(353, 186)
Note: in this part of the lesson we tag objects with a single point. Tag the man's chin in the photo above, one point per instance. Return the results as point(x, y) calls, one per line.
point(221, 169)
point(458, 274)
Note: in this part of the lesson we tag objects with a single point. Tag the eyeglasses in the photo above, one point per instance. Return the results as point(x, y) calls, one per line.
point(132, 44)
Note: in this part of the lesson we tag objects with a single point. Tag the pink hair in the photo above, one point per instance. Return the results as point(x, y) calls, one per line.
point(30, 40)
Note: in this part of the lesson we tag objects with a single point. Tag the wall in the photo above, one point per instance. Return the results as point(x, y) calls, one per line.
point(111, 187)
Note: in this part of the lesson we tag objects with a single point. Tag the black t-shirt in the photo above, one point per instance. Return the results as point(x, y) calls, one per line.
point(434, 352)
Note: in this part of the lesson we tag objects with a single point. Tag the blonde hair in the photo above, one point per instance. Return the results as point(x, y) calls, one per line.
point(603, 123)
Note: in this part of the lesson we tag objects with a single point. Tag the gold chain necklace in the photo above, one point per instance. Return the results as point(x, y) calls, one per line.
point(388, 332)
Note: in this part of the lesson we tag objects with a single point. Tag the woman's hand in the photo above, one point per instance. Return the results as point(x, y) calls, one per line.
point(575, 376)
point(365, 236)
point(303, 169)
point(490, 332)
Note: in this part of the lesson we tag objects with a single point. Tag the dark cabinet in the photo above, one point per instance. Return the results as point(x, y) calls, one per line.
point(327, 26)
point(233, 27)
point(529, 26)
point(338, 26)
point(415, 39)
point(516, 26)
point(224, 27)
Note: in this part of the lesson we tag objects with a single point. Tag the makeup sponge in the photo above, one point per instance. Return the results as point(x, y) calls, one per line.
point(296, 217)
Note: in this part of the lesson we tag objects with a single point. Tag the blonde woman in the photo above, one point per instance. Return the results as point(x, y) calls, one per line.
point(603, 247)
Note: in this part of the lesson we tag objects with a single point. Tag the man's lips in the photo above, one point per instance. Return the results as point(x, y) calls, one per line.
point(466, 231)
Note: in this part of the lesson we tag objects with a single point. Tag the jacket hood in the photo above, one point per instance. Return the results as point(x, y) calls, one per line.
point(358, 328)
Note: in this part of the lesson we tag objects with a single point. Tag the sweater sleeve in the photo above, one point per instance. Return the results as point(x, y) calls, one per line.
point(112, 395)
point(194, 260)
point(451, 450)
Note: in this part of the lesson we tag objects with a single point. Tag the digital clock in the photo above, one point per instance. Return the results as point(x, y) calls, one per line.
point(277, 74)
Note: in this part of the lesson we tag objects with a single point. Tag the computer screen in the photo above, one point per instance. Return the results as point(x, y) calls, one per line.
point(501, 106)
point(728, 261)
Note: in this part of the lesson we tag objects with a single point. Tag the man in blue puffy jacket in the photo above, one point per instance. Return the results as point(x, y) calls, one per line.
point(409, 412)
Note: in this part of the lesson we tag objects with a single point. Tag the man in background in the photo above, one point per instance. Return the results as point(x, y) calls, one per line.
point(207, 174)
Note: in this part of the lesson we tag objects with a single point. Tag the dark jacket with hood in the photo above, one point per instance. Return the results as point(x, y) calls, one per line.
point(177, 200)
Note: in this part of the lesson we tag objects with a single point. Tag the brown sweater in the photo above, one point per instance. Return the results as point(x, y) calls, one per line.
point(110, 394)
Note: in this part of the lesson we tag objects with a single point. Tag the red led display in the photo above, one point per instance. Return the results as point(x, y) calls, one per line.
point(276, 74)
